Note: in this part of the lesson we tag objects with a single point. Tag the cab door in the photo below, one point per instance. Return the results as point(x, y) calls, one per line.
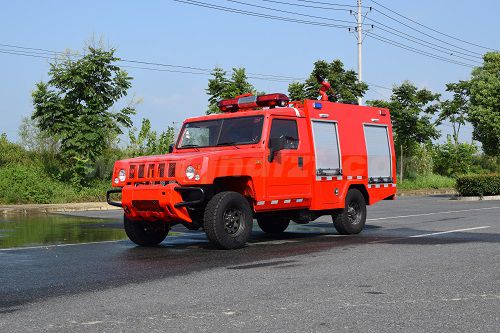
point(287, 177)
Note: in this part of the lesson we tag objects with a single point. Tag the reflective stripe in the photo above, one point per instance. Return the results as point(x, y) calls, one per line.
point(386, 185)
point(299, 200)
point(339, 177)
point(359, 177)
point(287, 201)
point(274, 202)
point(349, 177)
point(261, 203)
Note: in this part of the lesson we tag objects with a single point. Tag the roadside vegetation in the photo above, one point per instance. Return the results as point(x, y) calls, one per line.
point(67, 148)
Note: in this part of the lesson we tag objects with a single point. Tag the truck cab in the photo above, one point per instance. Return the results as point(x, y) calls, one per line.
point(263, 157)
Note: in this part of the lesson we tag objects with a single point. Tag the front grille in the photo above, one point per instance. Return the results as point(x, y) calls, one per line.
point(171, 169)
point(141, 171)
point(147, 205)
point(161, 170)
point(151, 173)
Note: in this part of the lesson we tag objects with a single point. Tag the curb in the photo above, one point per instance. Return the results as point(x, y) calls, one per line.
point(405, 193)
point(53, 208)
point(485, 198)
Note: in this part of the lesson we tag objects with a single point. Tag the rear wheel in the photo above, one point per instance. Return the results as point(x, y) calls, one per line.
point(352, 219)
point(145, 233)
point(228, 220)
point(273, 225)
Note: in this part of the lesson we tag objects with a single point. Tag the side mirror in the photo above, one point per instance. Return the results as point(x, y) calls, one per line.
point(275, 145)
point(170, 148)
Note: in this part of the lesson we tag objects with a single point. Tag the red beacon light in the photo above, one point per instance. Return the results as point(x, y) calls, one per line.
point(248, 101)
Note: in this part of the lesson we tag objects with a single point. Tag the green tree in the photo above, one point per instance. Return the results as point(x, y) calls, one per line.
point(345, 85)
point(75, 107)
point(148, 142)
point(411, 113)
point(456, 109)
point(220, 87)
point(484, 113)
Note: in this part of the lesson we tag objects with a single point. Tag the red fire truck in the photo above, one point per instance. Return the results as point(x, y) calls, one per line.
point(263, 157)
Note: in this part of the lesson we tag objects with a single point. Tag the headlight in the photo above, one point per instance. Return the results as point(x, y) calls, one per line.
point(122, 175)
point(190, 172)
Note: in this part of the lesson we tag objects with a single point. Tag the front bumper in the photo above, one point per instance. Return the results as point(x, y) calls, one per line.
point(157, 202)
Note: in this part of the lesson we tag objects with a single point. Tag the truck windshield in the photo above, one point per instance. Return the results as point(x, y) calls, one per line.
point(221, 132)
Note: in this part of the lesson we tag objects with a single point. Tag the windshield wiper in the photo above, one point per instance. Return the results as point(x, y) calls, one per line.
point(190, 146)
point(231, 143)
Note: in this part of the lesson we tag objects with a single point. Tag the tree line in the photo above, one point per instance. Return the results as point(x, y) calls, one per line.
point(416, 114)
point(74, 134)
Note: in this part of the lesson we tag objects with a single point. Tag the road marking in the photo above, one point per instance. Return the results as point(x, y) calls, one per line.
point(436, 213)
point(448, 232)
point(57, 245)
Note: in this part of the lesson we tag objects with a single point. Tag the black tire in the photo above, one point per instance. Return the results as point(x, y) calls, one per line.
point(228, 220)
point(145, 233)
point(353, 217)
point(273, 225)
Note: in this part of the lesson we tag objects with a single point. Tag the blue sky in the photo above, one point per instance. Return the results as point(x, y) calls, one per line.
point(175, 33)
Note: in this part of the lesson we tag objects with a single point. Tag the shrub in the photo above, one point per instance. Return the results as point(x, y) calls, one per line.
point(451, 159)
point(420, 163)
point(29, 184)
point(11, 153)
point(478, 185)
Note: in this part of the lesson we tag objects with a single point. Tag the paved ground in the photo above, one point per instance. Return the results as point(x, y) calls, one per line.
point(422, 264)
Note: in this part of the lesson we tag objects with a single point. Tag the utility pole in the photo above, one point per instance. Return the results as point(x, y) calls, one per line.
point(360, 45)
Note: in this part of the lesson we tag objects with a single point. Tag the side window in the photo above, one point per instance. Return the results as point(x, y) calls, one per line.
point(379, 153)
point(288, 129)
point(326, 145)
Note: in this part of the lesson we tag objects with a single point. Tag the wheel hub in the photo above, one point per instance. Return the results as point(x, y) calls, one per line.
point(354, 213)
point(232, 221)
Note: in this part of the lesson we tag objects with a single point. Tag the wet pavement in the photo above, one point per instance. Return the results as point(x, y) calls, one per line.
point(411, 250)
point(43, 229)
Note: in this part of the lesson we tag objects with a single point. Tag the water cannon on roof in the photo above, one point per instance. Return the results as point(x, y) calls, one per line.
point(325, 86)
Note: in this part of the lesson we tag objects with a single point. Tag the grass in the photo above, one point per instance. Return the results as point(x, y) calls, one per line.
point(427, 182)
point(26, 184)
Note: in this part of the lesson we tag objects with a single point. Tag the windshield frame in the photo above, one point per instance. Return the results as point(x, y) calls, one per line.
point(177, 145)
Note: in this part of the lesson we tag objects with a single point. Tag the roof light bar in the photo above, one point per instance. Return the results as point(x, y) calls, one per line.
point(248, 101)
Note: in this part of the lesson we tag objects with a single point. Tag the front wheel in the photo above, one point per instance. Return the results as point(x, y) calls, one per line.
point(352, 219)
point(145, 233)
point(228, 220)
point(273, 225)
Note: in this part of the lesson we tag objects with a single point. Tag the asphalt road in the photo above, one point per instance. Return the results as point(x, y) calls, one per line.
point(422, 265)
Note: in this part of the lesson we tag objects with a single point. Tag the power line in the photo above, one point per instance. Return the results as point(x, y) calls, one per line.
point(331, 4)
point(271, 17)
point(426, 34)
point(411, 38)
point(199, 70)
point(391, 42)
point(433, 48)
point(469, 52)
point(409, 48)
point(49, 54)
point(307, 6)
point(427, 27)
point(288, 12)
